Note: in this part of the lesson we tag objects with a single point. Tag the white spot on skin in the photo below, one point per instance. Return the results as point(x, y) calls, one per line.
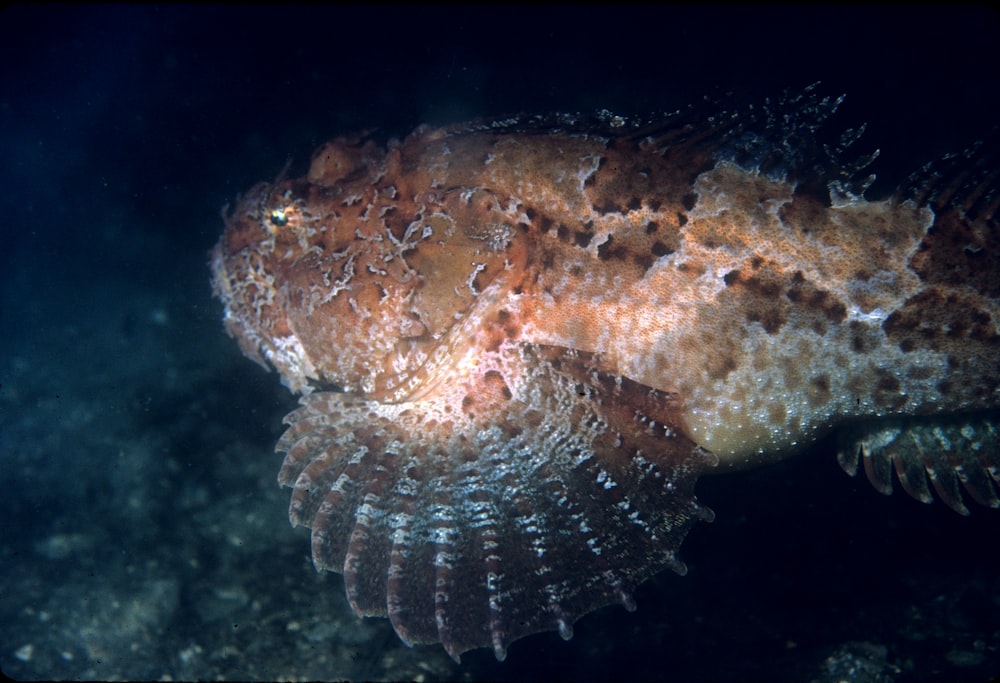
point(875, 317)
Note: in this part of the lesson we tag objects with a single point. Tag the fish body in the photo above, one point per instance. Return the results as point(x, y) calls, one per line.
point(522, 342)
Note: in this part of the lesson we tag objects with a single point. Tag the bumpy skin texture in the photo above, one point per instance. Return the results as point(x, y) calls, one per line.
point(534, 337)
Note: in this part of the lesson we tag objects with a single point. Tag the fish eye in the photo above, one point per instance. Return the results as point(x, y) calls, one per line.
point(278, 218)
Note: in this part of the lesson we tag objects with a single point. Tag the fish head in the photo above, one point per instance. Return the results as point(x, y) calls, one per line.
point(354, 277)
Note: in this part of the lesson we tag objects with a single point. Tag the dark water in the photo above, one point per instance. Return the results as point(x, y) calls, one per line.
point(143, 533)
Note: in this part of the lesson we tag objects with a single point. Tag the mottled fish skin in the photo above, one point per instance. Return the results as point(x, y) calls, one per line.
point(532, 337)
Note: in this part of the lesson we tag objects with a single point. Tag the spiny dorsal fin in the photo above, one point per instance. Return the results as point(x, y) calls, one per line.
point(968, 182)
point(780, 137)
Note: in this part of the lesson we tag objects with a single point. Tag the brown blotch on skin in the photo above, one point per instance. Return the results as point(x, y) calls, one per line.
point(504, 327)
point(804, 211)
point(547, 259)
point(720, 365)
point(644, 261)
point(859, 341)
point(495, 386)
point(818, 390)
point(887, 390)
point(804, 293)
point(606, 208)
point(887, 382)
point(758, 294)
point(771, 319)
point(954, 253)
point(660, 249)
point(937, 320)
point(493, 338)
point(609, 251)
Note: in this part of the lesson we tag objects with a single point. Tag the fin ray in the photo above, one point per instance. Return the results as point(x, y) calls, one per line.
point(951, 452)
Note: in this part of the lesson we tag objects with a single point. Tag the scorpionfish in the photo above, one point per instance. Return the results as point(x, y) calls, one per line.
point(521, 342)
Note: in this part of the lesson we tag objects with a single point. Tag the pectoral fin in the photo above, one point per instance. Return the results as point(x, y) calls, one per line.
point(535, 490)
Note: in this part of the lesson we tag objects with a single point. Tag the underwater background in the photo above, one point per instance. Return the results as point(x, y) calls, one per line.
point(143, 534)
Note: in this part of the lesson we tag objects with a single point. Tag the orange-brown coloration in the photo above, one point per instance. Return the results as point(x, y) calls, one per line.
point(538, 337)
